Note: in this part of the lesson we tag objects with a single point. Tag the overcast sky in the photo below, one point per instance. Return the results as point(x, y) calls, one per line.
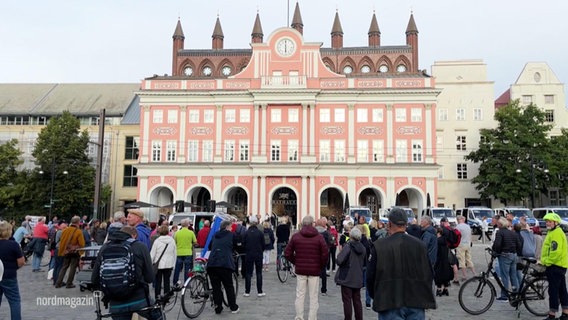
point(128, 40)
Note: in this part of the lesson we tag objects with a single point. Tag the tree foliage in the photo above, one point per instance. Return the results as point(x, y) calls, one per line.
point(61, 156)
point(513, 153)
point(10, 160)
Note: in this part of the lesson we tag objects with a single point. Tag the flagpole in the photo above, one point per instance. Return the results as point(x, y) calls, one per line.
point(288, 14)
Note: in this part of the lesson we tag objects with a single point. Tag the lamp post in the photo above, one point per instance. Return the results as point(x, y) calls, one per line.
point(533, 178)
point(51, 188)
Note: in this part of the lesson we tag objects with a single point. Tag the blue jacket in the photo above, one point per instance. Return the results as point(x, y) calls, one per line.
point(430, 240)
point(221, 255)
point(143, 235)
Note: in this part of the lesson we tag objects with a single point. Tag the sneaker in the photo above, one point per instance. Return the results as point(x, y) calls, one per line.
point(262, 294)
point(504, 299)
point(456, 282)
point(218, 310)
point(368, 306)
point(236, 311)
point(246, 295)
point(324, 293)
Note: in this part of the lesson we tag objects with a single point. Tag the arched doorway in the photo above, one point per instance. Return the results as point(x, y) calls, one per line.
point(284, 203)
point(410, 198)
point(161, 197)
point(238, 197)
point(371, 198)
point(331, 204)
point(198, 198)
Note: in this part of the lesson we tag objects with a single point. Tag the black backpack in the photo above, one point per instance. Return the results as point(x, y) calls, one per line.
point(118, 278)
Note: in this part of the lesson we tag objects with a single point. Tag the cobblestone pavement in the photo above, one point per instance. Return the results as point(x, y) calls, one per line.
point(36, 292)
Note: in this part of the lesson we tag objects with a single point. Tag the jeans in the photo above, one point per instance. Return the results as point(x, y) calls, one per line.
point(125, 312)
point(36, 261)
point(508, 266)
point(351, 296)
point(9, 288)
point(368, 299)
point(311, 283)
point(403, 313)
point(223, 276)
point(557, 292)
point(331, 262)
point(187, 263)
point(323, 277)
point(255, 262)
point(57, 267)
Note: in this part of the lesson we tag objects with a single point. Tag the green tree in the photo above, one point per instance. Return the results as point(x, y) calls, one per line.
point(509, 152)
point(9, 188)
point(61, 155)
point(559, 166)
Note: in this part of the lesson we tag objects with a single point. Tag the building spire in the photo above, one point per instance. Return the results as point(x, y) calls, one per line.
point(178, 44)
point(336, 33)
point(411, 28)
point(257, 34)
point(374, 32)
point(297, 20)
point(217, 35)
point(412, 41)
point(178, 33)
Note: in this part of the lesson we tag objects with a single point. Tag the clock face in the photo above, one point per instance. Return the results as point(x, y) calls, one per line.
point(285, 47)
point(207, 71)
point(365, 69)
point(188, 71)
point(383, 68)
point(401, 68)
point(347, 69)
point(226, 70)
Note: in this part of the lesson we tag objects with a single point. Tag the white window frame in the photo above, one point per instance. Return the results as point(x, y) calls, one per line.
point(193, 116)
point(324, 151)
point(244, 150)
point(362, 151)
point(378, 115)
point(461, 143)
point(208, 116)
point(171, 147)
point(193, 150)
point(325, 115)
point(461, 171)
point(339, 150)
point(156, 150)
point(401, 151)
point(417, 151)
point(400, 114)
point(230, 115)
point(207, 146)
point(275, 150)
point(275, 115)
point(460, 114)
point(229, 154)
point(378, 151)
point(477, 114)
point(416, 115)
point(339, 115)
point(527, 99)
point(293, 115)
point(362, 115)
point(172, 116)
point(293, 148)
point(244, 115)
point(157, 116)
point(548, 99)
point(442, 114)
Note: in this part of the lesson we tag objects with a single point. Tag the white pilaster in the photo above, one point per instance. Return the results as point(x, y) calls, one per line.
point(263, 129)
point(305, 129)
point(389, 133)
point(255, 196)
point(303, 200)
point(352, 191)
point(391, 193)
point(351, 136)
point(256, 135)
point(147, 150)
point(217, 188)
point(263, 194)
point(182, 142)
point(428, 145)
point(180, 192)
point(218, 134)
point(312, 131)
point(313, 197)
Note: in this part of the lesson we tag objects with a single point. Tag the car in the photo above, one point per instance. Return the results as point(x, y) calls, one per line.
point(517, 213)
point(473, 216)
point(360, 211)
point(539, 213)
point(438, 213)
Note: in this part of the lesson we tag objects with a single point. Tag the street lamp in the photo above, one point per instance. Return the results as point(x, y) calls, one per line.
point(534, 165)
point(51, 188)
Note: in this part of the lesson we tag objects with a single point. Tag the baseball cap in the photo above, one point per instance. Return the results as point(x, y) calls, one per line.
point(137, 212)
point(398, 216)
point(444, 219)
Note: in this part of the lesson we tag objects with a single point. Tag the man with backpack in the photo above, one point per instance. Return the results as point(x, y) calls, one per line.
point(123, 272)
point(453, 239)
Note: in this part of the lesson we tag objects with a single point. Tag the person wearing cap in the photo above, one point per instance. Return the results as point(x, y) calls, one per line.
point(554, 257)
point(135, 219)
point(400, 291)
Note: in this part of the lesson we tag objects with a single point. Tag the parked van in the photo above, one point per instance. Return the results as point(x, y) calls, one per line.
point(473, 216)
point(539, 213)
point(196, 217)
point(438, 213)
point(385, 214)
point(517, 213)
point(360, 211)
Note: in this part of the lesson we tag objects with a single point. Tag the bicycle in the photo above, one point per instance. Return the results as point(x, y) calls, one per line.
point(284, 268)
point(163, 304)
point(197, 290)
point(477, 294)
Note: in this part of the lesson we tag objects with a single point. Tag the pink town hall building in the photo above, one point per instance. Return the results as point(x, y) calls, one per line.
point(290, 127)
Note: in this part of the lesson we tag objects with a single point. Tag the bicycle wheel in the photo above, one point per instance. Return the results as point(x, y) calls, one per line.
point(476, 295)
point(282, 269)
point(535, 296)
point(235, 279)
point(194, 297)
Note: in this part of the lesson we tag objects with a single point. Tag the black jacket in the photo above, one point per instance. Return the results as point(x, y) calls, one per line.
point(254, 243)
point(351, 261)
point(221, 255)
point(282, 233)
point(142, 259)
point(399, 274)
point(507, 241)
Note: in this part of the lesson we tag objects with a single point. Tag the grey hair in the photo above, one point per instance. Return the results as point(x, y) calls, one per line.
point(185, 222)
point(355, 234)
point(427, 218)
point(503, 222)
point(307, 220)
point(118, 215)
point(225, 224)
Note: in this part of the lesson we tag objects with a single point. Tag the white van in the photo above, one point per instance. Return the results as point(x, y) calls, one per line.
point(360, 211)
point(539, 213)
point(438, 213)
point(409, 214)
point(473, 216)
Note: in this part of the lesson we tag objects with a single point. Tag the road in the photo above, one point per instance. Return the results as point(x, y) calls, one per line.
point(38, 297)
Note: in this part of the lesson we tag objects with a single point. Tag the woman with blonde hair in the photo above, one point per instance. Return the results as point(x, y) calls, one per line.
point(12, 259)
point(268, 244)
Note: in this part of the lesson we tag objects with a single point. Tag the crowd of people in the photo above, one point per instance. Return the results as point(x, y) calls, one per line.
point(401, 265)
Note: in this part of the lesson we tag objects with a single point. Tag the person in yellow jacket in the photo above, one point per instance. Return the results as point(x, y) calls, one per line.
point(554, 257)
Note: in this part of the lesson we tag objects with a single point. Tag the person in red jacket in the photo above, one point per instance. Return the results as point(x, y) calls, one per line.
point(309, 253)
point(203, 233)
